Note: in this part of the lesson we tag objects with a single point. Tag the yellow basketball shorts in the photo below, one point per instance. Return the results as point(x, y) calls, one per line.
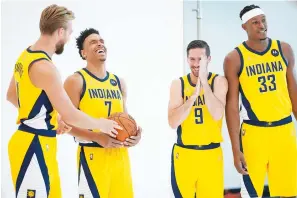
point(33, 164)
point(270, 149)
point(104, 172)
point(197, 172)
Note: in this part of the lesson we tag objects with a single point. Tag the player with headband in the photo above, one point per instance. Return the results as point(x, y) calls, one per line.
point(262, 71)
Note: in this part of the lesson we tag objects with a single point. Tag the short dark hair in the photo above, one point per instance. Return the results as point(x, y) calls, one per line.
point(246, 9)
point(82, 37)
point(198, 44)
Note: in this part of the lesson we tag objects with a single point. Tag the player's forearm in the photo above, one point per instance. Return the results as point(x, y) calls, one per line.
point(214, 105)
point(233, 125)
point(83, 134)
point(178, 115)
point(79, 119)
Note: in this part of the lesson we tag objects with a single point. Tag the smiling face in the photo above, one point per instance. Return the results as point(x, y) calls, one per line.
point(256, 27)
point(93, 48)
point(194, 57)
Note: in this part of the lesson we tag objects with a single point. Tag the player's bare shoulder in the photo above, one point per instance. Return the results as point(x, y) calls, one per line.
point(74, 82)
point(232, 62)
point(75, 79)
point(176, 84)
point(221, 82)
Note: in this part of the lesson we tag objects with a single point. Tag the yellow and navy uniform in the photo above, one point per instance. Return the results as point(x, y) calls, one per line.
point(103, 172)
point(266, 112)
point(197, 156)
point(32, 148)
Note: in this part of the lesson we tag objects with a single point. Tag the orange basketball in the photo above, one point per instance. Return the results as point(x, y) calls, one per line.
point(128, 124)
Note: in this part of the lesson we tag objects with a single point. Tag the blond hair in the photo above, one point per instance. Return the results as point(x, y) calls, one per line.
point(54, 17)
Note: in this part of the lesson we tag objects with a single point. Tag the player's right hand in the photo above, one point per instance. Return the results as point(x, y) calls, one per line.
point(109, 127)
point(240, 163)
point(197, 89)
point(108, 142)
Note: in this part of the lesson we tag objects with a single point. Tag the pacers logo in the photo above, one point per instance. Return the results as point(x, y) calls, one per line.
point(81, 196)
point(274, 52)
point(243, 132)
point(31, 193)
point(113, 82)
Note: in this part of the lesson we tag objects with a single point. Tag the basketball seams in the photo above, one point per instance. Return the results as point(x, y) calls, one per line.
point(127, 122)
point(133, 122)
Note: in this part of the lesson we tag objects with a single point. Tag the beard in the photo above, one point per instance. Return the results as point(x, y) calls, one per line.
point(59, 48)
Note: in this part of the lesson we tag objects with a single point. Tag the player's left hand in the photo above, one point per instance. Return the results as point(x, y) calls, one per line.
point(203, 71)
point(133, 140)
point(62, 127)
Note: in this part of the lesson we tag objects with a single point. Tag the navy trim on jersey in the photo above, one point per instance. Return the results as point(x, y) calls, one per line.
point(42, 100)
point(35, 147)
point(119, 82)
point(91, 183)
point(91, 144)
point(41, 132)
point(179, 135)
point(212, 83)
point(281, 52)
point(256, 52)
point(175, 189)
point(247, 105)
point(38, 51)
point(95, 77)
point(241, 61)
point(281, 122)
point(200, 147)
point(182, 87)
point(83, 91)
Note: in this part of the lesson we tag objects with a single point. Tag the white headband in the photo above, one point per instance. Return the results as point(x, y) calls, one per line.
point(250, 14)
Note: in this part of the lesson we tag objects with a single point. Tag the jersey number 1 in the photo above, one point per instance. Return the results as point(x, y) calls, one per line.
point(198, 116)
point(108, 103)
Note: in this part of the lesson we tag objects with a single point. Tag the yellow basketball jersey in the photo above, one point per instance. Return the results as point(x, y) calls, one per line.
point(199, 128)
point(263, 83)
point(35, 109)
point(100, 97)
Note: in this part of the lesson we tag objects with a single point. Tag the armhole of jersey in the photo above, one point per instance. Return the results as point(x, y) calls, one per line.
point(281, 52)
point(212, 82)
point(209, 75)
point(119, 82)
point(182, 87)
point(84, 86)
point(36, 60)
point(241, 61)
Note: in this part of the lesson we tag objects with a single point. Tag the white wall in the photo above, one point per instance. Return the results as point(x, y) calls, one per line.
point(221, 28)
point(144, 41)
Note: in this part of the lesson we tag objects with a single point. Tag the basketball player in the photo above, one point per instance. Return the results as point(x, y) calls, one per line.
point(262, 71)
point(103, 166)
point(36, 90)
point(196, 109)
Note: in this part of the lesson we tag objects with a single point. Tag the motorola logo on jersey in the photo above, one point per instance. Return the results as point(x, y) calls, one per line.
point(113, 82)
point(274, 52)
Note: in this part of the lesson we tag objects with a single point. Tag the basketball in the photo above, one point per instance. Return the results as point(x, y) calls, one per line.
point(128, 124)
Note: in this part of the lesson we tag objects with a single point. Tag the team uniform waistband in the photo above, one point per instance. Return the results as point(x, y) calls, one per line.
point(41, 132)
point(200, 147)
point(269, 124)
